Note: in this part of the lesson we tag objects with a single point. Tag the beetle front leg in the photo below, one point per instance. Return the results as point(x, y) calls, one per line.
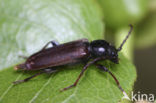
point(106, 70)
point(54, 43)
point(116, 80)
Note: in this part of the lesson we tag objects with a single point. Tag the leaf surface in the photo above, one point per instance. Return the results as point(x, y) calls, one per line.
point(27, 25)
point(95, 85)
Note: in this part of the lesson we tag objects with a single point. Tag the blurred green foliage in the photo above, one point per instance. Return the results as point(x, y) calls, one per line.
point(146, 32)
point(141, 13)
point(119, 13)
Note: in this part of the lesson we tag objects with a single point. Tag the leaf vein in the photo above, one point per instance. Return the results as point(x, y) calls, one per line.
point(37, 94)
point(7, 90)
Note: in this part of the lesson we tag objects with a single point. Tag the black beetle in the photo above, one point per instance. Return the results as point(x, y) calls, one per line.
point(72, 52)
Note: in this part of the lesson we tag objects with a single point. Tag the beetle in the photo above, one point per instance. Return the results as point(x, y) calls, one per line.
point(73, 52)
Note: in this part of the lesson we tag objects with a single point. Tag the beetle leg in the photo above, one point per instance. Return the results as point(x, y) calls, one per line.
point(54, 43)
point(49, 71)
point(27, 79)
point(116, 80)
point(80, 75)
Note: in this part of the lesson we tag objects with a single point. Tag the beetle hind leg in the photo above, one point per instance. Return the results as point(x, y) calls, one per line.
point(48, 71)
point(54, 43)
point(27, 79)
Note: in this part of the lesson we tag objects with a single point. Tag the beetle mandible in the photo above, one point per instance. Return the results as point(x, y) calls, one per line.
point(72, 52)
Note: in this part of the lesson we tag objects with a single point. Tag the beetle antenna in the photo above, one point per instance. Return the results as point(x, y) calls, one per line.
point(131, 28)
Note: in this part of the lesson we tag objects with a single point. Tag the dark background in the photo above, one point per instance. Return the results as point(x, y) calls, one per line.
point(145, 62)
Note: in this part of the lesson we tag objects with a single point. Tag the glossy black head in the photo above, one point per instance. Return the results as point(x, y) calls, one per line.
point(101, 48)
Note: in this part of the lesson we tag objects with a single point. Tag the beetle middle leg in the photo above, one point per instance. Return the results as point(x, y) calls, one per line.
point(48, 71)
point(80, 75)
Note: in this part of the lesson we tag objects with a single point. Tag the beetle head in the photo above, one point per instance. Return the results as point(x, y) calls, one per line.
point(101, 48)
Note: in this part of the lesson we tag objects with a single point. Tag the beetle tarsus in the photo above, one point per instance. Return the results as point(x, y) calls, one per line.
point(67, 88)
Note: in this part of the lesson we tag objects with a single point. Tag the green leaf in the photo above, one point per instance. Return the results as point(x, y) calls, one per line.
point(27, 25)
point(95, 85)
